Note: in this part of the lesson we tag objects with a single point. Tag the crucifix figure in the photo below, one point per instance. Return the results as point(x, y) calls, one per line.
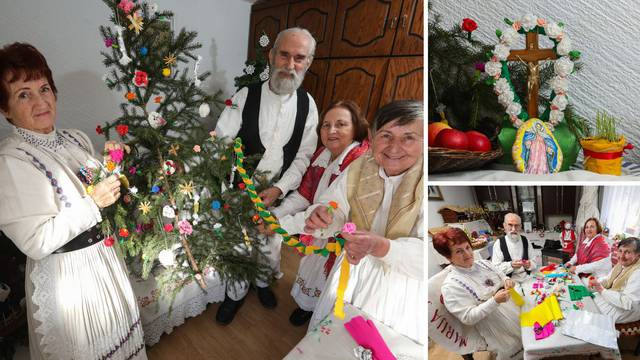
point(531, 55)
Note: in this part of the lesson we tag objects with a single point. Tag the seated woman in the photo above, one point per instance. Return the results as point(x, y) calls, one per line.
point(341, 130)
point(80, 304)
point(477, 293)
point(592, 255)
point(381, 193)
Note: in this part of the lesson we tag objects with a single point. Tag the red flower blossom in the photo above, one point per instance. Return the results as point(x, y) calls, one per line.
point(109, 241)
point(168, 227)
point(242, 186)
point(122, 129)
point(99, 130)
point(228, 102)
point(468, 25)
point(140, 79)
point(123, 232)
point(226, 206)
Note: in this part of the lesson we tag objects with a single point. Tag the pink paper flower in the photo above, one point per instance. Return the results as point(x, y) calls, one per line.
point(185, 227)
point(126, 6)
point(132, 170)
point(108, 42)
point(197, 148)
point(116, 155)
point(349, 228)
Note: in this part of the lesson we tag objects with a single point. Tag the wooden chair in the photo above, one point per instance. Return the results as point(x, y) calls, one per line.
point(630, 329)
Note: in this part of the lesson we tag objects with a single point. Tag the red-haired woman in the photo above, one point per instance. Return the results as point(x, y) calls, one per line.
point(593, 254)
point(477, 294)
point(80, 304)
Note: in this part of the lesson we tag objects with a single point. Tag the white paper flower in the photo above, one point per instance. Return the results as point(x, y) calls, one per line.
point(204, 110)
point(155, 120)
point(560, 102)
point(514, 109)
point(555, 116)
point(493, 68)
point(217, 226)
point(501, 51)
point(133, 190)
point(264, 75)
point(528, 22)
point(152, 9)
point(564, 47)
point(553, 30)
point(168, 212)
point(167, 258)
point(501, 86)
point(250, 69)
point(509, 36)
point(563, 66)
point(559, 84)
point(505, 98)
point(264, 40)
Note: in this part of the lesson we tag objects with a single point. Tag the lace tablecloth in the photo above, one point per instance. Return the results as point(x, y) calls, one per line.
point(160, 316)
point(330, 340)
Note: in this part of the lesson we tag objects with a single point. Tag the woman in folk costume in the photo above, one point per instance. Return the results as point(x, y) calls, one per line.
point(80, 304)
point(477, 293)
point(592, 255)
point(619, 292)
point(341, 131)
point(568, 239)
point(381, 193)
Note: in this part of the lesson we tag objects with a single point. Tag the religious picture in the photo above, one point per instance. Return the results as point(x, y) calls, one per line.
point(535, 150)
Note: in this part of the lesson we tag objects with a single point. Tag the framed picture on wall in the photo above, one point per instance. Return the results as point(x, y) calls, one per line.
point(434, 193)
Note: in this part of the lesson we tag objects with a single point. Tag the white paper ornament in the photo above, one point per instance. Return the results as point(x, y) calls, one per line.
point(167, 258)
point(156, 120)
point(204, 110)
point(169, 167)
point(196, 81)
point(125, 59)
point(168, 212)
point(264, 40)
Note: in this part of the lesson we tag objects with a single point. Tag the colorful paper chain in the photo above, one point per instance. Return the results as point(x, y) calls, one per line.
point(292, 240)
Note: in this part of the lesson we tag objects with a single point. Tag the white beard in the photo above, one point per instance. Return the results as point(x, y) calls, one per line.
point(285, 86)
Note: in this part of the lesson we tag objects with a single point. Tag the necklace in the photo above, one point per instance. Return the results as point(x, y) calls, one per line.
point(36, 141)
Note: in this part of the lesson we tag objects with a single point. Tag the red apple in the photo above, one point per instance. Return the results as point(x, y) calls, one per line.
point(434, 129)
point(478, 141)
point(452, 139)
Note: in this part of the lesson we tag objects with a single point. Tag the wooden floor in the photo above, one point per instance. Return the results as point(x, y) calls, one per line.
point(626, 349)
point(255, 333)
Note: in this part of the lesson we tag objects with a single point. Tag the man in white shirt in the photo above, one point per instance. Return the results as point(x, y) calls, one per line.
point(619, 292)
point(278, 120)
point(512, 252)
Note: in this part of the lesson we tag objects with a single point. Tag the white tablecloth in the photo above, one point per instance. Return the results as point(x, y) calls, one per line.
point(158, 318)
point(559, 344)
point(331, 341)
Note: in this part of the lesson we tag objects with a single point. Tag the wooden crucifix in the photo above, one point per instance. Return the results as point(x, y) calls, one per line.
point(531, 55)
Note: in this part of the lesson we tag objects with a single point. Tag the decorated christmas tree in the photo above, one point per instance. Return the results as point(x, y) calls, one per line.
point(182, 204)
point(255, 70)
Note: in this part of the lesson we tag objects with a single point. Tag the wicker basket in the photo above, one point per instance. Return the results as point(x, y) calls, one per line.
point(447, 160)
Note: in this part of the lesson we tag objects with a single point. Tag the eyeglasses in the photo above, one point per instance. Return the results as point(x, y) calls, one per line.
point(298, 59)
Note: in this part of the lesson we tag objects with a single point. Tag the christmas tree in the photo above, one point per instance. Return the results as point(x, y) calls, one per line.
point(255, 70)
point(182, 206)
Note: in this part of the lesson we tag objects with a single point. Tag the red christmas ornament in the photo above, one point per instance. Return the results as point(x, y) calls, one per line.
point(99, 130)
point(242, 186)
point(123, 232)
point(109, 241)
point(122, 129)
point(168, 227)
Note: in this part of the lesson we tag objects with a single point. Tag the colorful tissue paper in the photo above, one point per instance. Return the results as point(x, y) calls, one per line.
point(543, 332)
point(516, 297)
point(365, 334)
point(577, 292)
point(543, 313)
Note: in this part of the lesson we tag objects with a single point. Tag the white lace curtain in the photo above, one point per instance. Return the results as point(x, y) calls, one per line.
point(621, 209)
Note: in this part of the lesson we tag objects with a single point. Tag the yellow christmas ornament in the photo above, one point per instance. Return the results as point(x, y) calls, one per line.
point(136, 22)
point(145, 207)
point(166, 72)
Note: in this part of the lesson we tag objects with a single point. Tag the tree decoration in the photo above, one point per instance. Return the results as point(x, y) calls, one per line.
point(144, 51)
point(140, 79)
point(469, 26)
point(126, 6)
point(196, 81)
point(124, 58)
point(204, 110)
point(137, 22)
point(171, 180)
point(254, 71)
point(166, 72)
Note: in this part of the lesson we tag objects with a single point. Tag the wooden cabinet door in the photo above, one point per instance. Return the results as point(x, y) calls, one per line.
point(315, 81)
point(359, 80)
point(365, 27)
point(404, 80)
point(558, 200)
point(410, 33)
point(271, 21)
point(318, 17)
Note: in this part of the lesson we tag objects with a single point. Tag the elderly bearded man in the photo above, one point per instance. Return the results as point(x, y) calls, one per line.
point(512, 252)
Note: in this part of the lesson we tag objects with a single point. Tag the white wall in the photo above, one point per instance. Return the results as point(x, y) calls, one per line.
point(452, 195)
point(66, 32)
point(604, 31)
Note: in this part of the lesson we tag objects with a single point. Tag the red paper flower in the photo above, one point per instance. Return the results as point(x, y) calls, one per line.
point(122, 129)
point(469, 26)
point(108, 42)
point(141, 79)
point(168, 227)
point(228, 102)
point(99, 130)
point(226, 206)
point(333, 204)
point(130, 96)
point(123, 232)
point(109, 241)
point(126, 6)
point(242, 186)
